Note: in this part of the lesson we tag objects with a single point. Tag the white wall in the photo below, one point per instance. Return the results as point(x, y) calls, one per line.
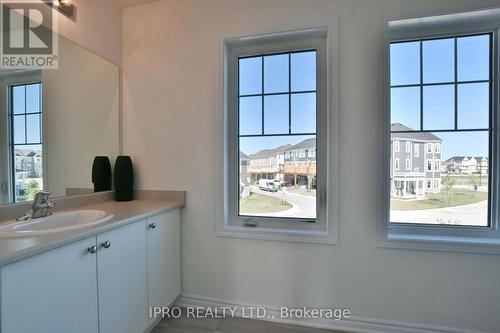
point(96, 25)
point(171, 55)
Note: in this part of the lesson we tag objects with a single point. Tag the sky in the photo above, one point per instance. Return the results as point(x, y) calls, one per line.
point(438, 66)
point(439, 101)
point(270, 74)
point(26, 99)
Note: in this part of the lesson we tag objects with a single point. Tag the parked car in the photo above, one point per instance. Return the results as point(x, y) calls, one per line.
point(268, 185)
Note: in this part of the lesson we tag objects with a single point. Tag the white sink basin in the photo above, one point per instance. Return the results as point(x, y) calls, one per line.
point(55, 223)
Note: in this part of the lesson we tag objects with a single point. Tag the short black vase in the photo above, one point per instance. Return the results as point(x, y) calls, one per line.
point(101, 174)
point(124, 178)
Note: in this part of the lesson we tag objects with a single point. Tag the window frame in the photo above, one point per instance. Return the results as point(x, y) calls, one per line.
point(323, 230)
point(11, 141)
point(441, 237)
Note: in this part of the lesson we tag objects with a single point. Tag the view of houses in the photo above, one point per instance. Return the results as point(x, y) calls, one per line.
point(443, 190)
point(28, 173)
point(281, 180)
point(286, 165)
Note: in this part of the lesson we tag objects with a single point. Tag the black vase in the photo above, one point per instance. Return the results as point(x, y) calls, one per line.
point(124, 178)
point(101, 174)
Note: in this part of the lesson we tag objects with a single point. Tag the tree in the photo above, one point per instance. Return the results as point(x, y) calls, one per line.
point(33, 188)
point(473, 180)
point(448, 183)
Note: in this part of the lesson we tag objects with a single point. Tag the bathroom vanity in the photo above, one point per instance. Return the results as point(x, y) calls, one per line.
point(99, 278)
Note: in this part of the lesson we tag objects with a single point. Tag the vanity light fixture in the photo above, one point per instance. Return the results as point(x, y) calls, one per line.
point(64, 6)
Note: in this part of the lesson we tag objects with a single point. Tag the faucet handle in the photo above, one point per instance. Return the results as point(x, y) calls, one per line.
point(41, 197)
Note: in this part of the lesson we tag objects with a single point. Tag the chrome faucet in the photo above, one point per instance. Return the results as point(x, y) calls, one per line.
point(41, 207)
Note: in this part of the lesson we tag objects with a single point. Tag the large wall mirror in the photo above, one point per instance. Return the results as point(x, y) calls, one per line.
point(53, 122)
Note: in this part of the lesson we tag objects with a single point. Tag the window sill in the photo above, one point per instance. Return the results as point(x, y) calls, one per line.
point(439, 243)
point(272, 234)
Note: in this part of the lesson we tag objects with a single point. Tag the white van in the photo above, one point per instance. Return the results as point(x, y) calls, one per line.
point(268, 185)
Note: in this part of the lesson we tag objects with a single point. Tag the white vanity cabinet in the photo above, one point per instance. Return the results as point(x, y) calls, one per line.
point(164, 259)
point(122, 279)
point(103, 284)
point(51, 292)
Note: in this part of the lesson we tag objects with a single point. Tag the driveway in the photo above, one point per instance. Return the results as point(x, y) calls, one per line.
point(472, 214)
point(303, 206)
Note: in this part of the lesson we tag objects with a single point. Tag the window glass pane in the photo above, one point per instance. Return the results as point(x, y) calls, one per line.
point(33, 98)
point(439, 109)
point(28, 175)
point(276, 73)
point(405, 63)
point(405, 107)
point(473, 105)
point(439, 60)
point(276, 114)
point(250, 75)
point(473, 55)
point(33, 128)
point(303, 68)
point(250, 115)
point(447, 186)
point(19, 129)
point(18, 101)
point(304, 113)
point(278, 176)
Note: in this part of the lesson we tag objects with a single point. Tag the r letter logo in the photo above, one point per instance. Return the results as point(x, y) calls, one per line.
point(29, 37)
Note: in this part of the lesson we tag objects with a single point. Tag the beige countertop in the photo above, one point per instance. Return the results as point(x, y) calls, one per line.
point(147, 204)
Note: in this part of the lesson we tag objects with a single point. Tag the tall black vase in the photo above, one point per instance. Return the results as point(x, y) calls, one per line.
point(124, 178)
point(101, 174)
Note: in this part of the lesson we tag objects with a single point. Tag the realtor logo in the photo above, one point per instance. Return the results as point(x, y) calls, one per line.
point(28, 35)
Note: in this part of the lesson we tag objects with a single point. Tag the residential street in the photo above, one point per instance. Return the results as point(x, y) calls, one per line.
point(473, 214)
point(304, 206)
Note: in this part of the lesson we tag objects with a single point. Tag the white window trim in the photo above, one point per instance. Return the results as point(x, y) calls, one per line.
point(408, 164)
point(429, 147)
point(435, 237)
point(396, 164)
point(416, 150)
point(325, 229)
point(408, 146)
point(397, 145)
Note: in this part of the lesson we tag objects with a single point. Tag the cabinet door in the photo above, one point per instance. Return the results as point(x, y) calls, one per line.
point(52, 292)
point(164, 258)
point(122, 279)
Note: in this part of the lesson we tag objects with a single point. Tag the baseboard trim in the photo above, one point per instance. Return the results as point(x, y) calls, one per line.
point(354, 324)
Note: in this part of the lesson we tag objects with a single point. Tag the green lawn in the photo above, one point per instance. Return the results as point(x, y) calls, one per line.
point(257, 203)
point(456, 197)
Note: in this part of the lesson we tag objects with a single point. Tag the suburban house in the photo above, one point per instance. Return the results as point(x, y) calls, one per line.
point(300, 164)
point(28, 165)
point(466, 165)
point(267, 164)
point(290, 164)
point(415, 162)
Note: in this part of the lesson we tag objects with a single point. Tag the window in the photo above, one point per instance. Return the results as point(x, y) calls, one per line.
point(416, 150)
point(396, 146)
point(25, 111)
point(408, 147)
point(276, 113)
point(396, 164)
point(416, 170)
point(408, 164)
point(440, 91)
